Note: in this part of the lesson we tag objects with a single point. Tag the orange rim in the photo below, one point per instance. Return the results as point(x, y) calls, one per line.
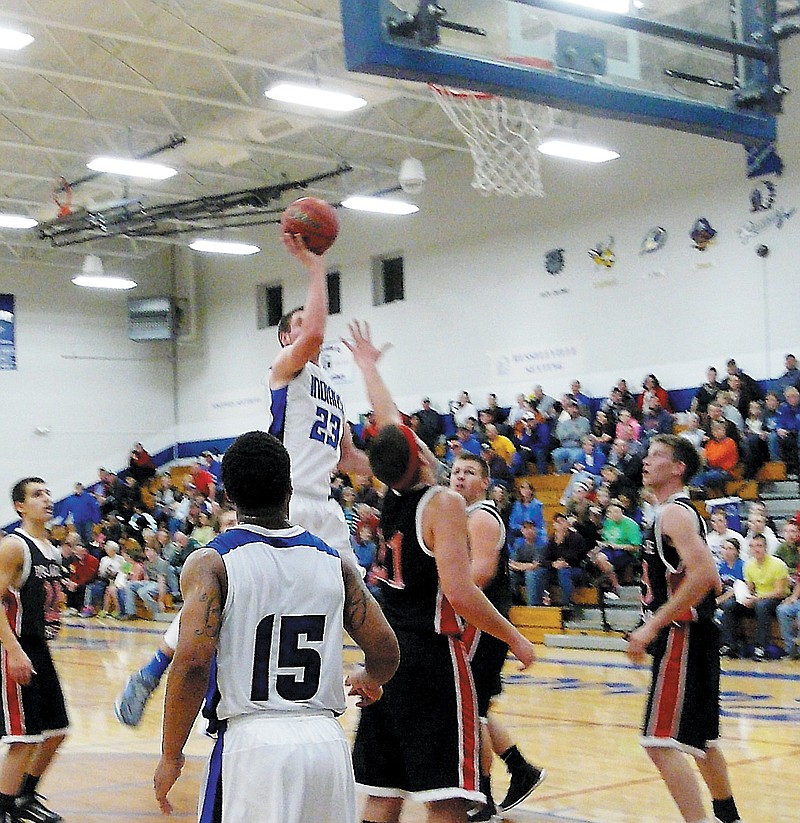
point(460, 94)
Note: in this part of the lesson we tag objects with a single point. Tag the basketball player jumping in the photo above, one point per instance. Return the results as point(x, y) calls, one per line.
point(308, 417)
point(682, 713)
point(268, 601)
point(421, 740)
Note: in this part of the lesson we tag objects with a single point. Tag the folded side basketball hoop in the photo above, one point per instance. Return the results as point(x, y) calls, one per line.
point(503, 137)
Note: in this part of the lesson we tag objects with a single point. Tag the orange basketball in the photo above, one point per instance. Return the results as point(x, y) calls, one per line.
point(314, 220)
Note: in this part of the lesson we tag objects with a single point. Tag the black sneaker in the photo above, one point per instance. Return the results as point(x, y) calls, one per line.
point(30, 809)
point(522, 784)
point(487, 813)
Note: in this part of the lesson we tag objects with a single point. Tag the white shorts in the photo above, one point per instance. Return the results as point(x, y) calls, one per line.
point(325, 519)
point(171, 634)
point(281, 770)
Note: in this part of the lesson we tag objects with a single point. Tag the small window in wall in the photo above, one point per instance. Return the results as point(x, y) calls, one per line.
point(334, 292)
point(269, 302)
point(387, 279)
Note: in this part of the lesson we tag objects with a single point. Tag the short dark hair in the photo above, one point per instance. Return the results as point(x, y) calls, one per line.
point(256, 472)
point(389, 455)
point(20, 488)
point(475, 458)
point(682, 451)
point(285, 323)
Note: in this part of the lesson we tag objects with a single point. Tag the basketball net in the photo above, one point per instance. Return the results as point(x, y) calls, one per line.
point(503, 137)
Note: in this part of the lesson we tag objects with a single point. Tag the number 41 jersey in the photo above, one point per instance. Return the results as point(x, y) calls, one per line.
point(280, 643)
point(308, 417)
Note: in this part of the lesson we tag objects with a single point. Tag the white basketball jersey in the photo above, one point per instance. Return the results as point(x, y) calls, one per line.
point(280, 642)
point(308, 417)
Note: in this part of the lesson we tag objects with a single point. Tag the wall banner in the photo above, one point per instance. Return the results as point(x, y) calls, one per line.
point(8, 348)
point(538, 363)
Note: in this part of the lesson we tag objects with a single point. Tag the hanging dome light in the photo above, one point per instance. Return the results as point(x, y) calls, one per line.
point(93, 276)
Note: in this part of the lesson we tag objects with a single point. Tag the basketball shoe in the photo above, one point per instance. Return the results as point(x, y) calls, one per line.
point(523, 782)
point(30, 809)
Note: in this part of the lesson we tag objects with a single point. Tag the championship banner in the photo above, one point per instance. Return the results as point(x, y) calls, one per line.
point(337, 362)
point(8, 348)
point(559, 360)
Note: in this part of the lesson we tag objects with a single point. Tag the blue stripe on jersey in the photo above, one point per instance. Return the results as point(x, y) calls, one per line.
point(211, 806)
point(235, 537)
point(278, 409)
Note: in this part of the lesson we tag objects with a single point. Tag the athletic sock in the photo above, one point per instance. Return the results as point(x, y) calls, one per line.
point(29, 784)
point(6, 803)
point(725, 810)
point(513, 759)
point(157, 666)
point(485, 786)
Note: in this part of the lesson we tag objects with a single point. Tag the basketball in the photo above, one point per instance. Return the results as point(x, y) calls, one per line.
point(314, 220)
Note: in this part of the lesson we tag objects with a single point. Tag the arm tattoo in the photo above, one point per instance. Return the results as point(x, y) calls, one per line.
point(212, 615)
point(356, 608)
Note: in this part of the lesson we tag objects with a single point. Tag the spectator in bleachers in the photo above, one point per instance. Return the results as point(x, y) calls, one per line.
point(651, 389)
point(569, 434)
point(791, 377)
point(204, 532)
point(788, 426)
point(152, 589)
point(756, 449)
point(729, 410)
point(715, 415)
point(131, 570)
point(83, 570)
point(431, 427)
point(603, 430)
point(140, 520)
point(127, 497)
point(706, 393)
point(693, 433)
point(140, 464)
point(454, 450)
point(789, 548)
point(501, 445)
point(178, 550)
point(525, 555)
point(577, 396)
point(626, 397)
point(757, 525)
point(347, 503)
point(612, 405)
point(760, 507)
point(498, 414)
point(364, 546)
point(499, 470)
point(621, 541)
point(721, 531)
point(587, 469)
point(520, 408)
point(748, 383)
point(533, 444)
point(107, 571)
point(627, 427)
point(740, 394)
point(544, 404)
point(730, 566)
point(788, 614)
point(720, 457)
point(526, 506)
point(164, 499)
point(203, 481)
point(562, 561)
point(656, 420)
point(82, 508)
point(499, 495)
point(463, 409)
point(771, 406)
point(630, 465)
point(469, 442)
point(768, 580)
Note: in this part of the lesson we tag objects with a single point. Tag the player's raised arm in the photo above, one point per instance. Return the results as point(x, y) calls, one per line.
point(302, 340)
point(366, 624)
point(203, 587)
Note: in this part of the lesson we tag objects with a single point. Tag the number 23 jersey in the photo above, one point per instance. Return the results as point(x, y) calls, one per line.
point(280, 643)
point(308, 417)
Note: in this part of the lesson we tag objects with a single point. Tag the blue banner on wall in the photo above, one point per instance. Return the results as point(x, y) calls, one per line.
point(8, 349)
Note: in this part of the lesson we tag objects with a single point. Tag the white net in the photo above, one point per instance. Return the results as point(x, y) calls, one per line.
point(502, 135)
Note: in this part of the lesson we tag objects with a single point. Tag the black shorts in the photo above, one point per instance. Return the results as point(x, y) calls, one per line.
point(421, 738)
point(487, 655)
point(37, 711)
point(683, 706)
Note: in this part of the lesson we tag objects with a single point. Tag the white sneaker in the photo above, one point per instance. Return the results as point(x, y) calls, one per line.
point(612, 596)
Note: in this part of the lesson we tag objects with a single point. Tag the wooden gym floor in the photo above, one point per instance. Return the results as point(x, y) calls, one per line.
point(576, 713)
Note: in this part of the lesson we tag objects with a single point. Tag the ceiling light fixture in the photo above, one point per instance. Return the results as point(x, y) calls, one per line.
point(131, 168)
point(223, 247)
point(93, 276)
point(577, 151)
point(17, 221)
point(379, 205)
point(315, 97)
point(14, 40)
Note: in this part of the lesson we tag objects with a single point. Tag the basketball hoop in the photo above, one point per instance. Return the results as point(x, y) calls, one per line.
point(502, 135)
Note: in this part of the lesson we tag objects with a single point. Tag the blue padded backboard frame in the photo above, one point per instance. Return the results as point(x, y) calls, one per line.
point(369, 48)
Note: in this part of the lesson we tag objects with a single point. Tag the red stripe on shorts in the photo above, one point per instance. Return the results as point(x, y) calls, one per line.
point(668, 700)
point(13, 713)
point(468, 716)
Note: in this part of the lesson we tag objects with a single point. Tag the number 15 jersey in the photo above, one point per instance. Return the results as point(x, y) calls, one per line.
point(308, 417)
point(280, 643)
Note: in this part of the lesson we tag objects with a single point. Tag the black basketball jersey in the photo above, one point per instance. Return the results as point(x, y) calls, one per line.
point(406, 570)
point(33, 609)
point(498, 589)
point(663, 567)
